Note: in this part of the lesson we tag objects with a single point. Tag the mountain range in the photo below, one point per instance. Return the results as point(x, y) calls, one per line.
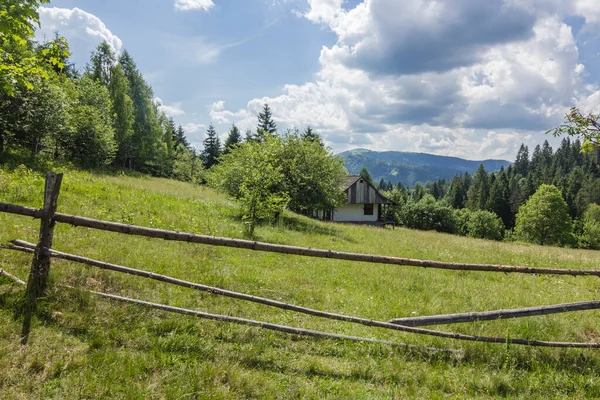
point(410, 168)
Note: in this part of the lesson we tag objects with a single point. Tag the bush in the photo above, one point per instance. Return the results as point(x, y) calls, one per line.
point(590, 237)
point(485, 225)
point(479, 224)
point(428, 214)
point(462, 218)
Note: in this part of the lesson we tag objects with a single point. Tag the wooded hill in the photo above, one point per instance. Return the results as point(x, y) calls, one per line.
point(410, 168)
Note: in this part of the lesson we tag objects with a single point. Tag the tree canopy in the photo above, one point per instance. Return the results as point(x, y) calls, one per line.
point(544, 218)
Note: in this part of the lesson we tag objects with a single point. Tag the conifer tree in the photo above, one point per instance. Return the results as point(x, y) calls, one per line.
point(212, 148)
point(499, 198)
point(364, 172)
point(101, 63)
point(521, 165)
point(310, 135)
point(234, 138)
point(181, 142)
point(457, 195)
point(266, 125)
point(479, 190)
point(249, 136)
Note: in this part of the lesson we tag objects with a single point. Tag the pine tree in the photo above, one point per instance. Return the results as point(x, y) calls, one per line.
point(310, 135)
point(436, 190)
point(234, 138)
point(212, 148)
point(457, 195)
point(181, 142)
point(499, 198)
point(382, 185)
point(417, 192)
point(479, 190)
point(102, 61)
point(266, 125)
point(521, 165)
point(250, 137)
point(364, 172)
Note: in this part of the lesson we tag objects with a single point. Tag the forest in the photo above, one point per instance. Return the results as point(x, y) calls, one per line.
point(549, 197)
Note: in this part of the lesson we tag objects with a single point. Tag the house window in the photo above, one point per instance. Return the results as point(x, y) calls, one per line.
point(368, 209)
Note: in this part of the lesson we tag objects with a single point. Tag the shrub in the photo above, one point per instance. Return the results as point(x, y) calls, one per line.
point(479, 224)
point(428, 214)
point(485, 225)
point(590, 237)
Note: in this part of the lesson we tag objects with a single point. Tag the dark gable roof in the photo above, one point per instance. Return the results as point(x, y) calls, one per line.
point(349, 181)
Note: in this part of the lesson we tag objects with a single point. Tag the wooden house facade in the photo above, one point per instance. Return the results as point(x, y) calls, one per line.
point(364, 203)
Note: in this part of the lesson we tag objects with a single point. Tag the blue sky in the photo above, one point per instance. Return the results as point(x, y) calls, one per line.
point(465, 78)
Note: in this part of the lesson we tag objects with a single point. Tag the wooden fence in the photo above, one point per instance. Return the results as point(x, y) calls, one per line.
point(43, 253)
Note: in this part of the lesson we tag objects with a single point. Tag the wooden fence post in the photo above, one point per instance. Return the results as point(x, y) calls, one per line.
point(40, 266)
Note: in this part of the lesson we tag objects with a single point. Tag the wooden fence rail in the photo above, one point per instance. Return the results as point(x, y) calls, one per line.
point(497, 314)
point(21, 245)
point(243, 321)
point(286, 249)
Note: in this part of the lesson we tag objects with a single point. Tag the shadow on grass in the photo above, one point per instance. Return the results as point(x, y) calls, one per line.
point(309, 226)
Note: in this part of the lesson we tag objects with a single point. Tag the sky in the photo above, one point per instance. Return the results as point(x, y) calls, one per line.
point(466, 78)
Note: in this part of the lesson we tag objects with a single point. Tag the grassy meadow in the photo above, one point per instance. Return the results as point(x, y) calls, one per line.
point(86, 347)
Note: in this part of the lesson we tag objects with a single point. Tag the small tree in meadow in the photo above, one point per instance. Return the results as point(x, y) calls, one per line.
point(544, 219)
point(251, 174)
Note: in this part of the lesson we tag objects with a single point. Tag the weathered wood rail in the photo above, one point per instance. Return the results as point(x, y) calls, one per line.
point(20, 245)
point(42, 253)
point(285, 249)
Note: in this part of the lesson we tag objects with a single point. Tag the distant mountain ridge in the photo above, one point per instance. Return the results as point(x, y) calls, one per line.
point(410, 168)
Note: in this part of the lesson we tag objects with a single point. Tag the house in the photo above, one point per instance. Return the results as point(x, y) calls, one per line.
point(364, 203)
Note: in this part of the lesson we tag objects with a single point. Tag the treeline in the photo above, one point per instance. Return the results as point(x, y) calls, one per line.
point(102, 116)
point(489, 204)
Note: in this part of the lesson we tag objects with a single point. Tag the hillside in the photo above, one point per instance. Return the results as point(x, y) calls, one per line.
point(410, 168)
point(85, 347)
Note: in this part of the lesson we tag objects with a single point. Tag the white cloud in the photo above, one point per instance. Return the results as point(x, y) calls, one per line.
point(190, 128)
point(76, 24)
point(172, 110)
point(588, 9)
point(219, 115)
point(196, 50)
point(474, 80)
point(187, 5)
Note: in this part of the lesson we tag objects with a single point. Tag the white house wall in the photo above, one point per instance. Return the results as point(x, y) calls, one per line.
point(355, 213)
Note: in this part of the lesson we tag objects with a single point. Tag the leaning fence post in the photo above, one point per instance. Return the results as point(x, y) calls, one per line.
point(40, 266)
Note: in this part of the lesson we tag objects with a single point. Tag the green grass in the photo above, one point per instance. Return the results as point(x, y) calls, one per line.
point(85, 347)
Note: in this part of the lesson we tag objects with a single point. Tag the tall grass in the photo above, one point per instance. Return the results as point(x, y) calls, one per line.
point(85, 347)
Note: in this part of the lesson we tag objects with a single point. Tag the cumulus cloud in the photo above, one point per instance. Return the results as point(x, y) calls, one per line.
point(470, 78)
point(76, 24)
point(188, 5)
point(172, 110)
point(407, 36)
point(193, 128)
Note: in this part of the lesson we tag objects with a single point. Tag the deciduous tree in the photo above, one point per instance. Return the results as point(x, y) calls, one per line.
point(544, 218)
